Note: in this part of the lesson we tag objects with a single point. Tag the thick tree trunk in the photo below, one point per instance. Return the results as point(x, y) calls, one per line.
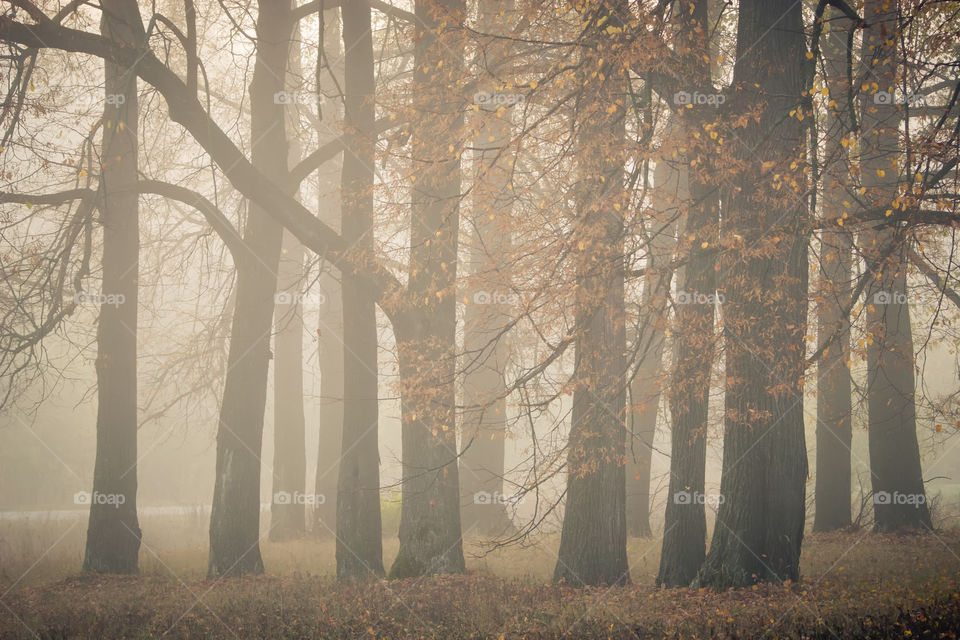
point(593, 540)
point(759, 526)
point(896, 473)
point(330, 329)
point(113, 532)
point(359, 535)
point(834, 403)
point(235, 516)
point(487, 303)
point(288, 507)
point(430, 533)
point(685, 524)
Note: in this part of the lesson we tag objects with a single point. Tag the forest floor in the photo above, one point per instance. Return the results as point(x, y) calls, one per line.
point(855, 585)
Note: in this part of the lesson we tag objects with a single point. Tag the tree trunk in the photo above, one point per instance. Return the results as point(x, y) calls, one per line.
point(896, 473)
point(593, 540)
point(113, 532)
point(670, 192)
point(330, 328)
point(685, 526)
point(834, 404)
point(430, 533)
point(288, 506)
point(359, 535)
point(759, 526)
point(488, 302)
point(235, 515)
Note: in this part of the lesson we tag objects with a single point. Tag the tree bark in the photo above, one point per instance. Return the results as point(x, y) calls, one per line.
point(896, 472)
point(670, 193)
point(593, 539)
point(834, 403)
point(330, 326)
point(488, 302)
point(359, 535)
point(113, 532)
point(759, 526)
point(430, 532)
point(288, 506)
point(235, 515)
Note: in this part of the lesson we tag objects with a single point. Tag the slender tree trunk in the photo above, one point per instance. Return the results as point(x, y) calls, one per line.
point(235, 516)
point(113, 532)
point(359, 535)
point(759, 526)
point(593, 540)
point(670, 192)
point(330, 329)
point(430, 533)
point(896, 473)
point(834, 403)
point(487, 304)
point(288, 507)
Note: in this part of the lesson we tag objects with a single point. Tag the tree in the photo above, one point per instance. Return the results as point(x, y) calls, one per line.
point(685, 525)
point(288, 516)
point(113, 532)
point(235, 515)
point(759, 525)
point(593, 540)
point(899, 496)
point(486, 350)
point(359, 537)
point(430, 531)
point(834, 402)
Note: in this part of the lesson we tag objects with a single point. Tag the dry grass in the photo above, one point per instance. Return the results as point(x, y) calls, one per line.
point(855, 585)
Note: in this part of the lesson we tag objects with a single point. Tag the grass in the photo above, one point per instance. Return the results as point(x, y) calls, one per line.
point(856, 585)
